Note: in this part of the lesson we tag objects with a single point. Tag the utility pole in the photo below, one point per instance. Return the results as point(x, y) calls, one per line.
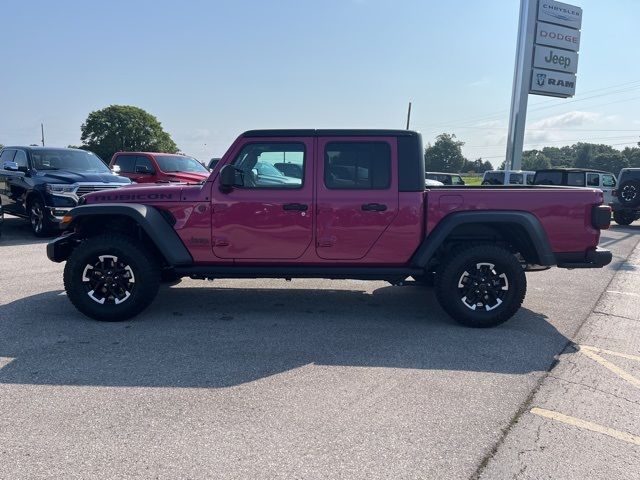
point(42, 131)
point(521, 83)
point(409, 116)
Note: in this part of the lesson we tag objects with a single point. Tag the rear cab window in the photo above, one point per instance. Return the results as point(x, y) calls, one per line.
point(593, 179)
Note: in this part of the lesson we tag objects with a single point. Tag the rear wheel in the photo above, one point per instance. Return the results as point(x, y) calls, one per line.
point(629, 193)
point(623, 218)
point(481, 286)
point(111, 278)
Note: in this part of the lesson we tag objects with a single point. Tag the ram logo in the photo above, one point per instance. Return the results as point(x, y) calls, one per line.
point(541, 77)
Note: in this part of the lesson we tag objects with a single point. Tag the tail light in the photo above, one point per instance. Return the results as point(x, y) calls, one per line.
point(601, 216)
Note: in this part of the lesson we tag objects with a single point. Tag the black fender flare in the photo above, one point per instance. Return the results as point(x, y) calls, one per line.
point(525, 220)
point(152, 222)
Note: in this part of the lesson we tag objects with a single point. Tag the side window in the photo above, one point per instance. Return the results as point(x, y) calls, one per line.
point(608, 181)
point(593, 180)
point(516, 179)
point(530, 178)
point(256, 165)
point(456, 180)
point(357, 165)
point(144, 162)
point(126, 163)
point(6, 156)
point(21, 160)
point(575, 179)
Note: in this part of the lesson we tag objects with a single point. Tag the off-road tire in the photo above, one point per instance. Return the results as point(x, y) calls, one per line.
point(623, 218)
point(426, 280)
point(629, 193)
point(143, 267)
point(39, 221)
point(452, 286)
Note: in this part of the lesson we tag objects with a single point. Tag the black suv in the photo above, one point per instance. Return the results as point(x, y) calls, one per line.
point(626, 205)
point(42, 183)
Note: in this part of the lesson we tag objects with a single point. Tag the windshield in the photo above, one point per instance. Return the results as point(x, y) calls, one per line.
point(76, 160)
point(180, 163)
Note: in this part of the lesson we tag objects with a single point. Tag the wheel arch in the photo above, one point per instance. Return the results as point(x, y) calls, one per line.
point(153, 225)
point(522, 230)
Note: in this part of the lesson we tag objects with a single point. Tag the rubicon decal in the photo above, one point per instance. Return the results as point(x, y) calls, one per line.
point(127, 197)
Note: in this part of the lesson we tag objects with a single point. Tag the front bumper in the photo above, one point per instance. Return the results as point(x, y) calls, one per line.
point(592, 258)
point(58, 250)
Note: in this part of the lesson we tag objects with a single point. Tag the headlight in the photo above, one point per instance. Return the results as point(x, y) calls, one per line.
point(61, 188)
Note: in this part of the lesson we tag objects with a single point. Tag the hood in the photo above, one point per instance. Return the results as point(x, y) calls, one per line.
point(138, 193)
point(69, 176)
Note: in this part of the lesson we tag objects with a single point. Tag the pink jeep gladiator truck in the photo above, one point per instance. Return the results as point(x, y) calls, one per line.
point(359, 210)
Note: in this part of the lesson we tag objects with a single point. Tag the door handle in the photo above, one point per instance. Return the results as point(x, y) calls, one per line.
point(301, 207)
point(374, 207)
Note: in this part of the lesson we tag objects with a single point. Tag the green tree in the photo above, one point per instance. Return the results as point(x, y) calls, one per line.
point(445, 155)
point(610, 162)
point(633, 156)
point(535, 160)
point(125, 128)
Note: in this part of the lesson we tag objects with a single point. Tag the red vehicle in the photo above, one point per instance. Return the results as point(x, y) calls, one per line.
point(147, 167)
point(360, 211)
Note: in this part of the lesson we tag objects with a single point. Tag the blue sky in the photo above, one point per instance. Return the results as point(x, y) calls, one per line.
point(211, 69)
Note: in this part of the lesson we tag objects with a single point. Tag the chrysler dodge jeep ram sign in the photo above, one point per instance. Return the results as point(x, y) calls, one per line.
point(556, 43)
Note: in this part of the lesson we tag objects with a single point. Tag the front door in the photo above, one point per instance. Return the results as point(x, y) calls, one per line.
point(357, 194)
point(268, 215)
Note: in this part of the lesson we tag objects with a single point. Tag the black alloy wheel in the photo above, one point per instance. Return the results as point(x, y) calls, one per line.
point(481, 286)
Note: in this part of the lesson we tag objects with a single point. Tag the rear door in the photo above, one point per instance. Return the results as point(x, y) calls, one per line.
point(357, 194)
point(266, 216)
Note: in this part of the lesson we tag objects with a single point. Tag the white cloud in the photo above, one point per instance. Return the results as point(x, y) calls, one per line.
point(570, 119)
point(480, 82)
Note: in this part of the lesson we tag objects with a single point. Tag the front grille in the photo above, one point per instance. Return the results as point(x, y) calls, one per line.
point(95, 187)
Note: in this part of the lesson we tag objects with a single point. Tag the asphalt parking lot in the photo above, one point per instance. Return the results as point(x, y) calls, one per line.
point(318, 379)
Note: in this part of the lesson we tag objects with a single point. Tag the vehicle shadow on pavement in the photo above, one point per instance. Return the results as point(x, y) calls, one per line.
point(221, 337)
point(17, 231)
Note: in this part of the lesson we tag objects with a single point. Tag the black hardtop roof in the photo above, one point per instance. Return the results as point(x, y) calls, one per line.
point(330, 133)
point(571, 169)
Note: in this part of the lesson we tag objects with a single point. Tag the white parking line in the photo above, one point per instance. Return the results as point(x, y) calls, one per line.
point(630, 294)
point(594, 427)
point(4, 361)
point(591, 353)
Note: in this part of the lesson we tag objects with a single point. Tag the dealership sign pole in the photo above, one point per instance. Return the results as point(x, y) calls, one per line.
point(546, 62)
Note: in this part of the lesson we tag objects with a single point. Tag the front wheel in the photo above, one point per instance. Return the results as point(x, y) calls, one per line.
point(481, 286)
point(623, 218)
point(111, 278)
point(40, 223)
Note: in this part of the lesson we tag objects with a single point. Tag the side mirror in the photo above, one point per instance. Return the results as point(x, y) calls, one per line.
point(143, 169)
point(228, 175)
point(11, 166)
point(115, 169)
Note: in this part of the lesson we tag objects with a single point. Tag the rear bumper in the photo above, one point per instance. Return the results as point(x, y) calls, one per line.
point(58, 250)
point(592, 258)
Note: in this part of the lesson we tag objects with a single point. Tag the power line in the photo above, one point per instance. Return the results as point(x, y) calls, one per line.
point(542, 105)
